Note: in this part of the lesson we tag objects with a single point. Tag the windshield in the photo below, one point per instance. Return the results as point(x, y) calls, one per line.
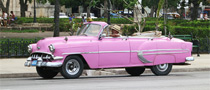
point(89, 30)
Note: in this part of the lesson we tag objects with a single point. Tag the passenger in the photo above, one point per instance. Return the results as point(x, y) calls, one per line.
point(115, 31)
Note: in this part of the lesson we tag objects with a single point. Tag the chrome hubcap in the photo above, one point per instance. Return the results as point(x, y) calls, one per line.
point(162, 67)
point(72, 67)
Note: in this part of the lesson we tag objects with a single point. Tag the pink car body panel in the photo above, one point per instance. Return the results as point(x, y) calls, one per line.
point(117, 52)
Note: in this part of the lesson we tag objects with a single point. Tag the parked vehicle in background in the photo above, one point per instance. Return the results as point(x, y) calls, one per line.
point(61, 15)
point(85, 15)
point(93, 48)
point(115, 15)
point(171, 15)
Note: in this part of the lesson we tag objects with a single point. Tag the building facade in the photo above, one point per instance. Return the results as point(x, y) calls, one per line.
point(42, 10)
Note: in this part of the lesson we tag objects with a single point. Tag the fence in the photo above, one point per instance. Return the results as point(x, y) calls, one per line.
point(205, 45)
point(15, 48)
point(18, 48)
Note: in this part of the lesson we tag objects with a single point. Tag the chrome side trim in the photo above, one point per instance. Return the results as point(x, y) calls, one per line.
point(164, 50)
point(77, 53)
point(140, 53)
point(96, 52)
point(185, 51)
point(114, 51)
point(142, 59)
point(163, 53)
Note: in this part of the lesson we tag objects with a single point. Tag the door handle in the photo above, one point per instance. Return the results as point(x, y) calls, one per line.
point(124, 39)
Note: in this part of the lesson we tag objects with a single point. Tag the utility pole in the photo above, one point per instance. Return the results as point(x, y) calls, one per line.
point(56, 18)
point(34, 11)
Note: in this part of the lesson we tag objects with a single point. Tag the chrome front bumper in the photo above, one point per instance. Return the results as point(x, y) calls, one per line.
point(40, 63)
point(189, 59)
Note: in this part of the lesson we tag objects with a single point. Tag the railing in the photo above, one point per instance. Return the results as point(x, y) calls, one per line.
point(205, 45)
point(15, 48)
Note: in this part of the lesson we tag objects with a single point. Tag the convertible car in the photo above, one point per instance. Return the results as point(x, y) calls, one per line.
point(93, 48)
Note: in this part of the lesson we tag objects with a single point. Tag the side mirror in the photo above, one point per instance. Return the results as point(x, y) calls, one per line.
point(101, 36)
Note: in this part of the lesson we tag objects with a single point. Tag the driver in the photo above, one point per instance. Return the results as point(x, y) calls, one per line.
point(115, 31)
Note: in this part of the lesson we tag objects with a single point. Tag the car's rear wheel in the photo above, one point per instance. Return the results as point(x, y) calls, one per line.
point(72, 67)
point(46, 73)
point(162, 69)
point(135, 71)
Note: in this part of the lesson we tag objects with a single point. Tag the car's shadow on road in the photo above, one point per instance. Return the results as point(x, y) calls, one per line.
point(106, 77)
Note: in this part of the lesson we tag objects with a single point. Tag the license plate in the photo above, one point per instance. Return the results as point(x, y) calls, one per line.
point(34, 63)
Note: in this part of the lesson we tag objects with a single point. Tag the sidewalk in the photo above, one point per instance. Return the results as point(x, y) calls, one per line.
point(14, 67)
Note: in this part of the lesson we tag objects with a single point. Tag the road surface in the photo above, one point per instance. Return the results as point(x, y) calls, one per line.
point(174, 81)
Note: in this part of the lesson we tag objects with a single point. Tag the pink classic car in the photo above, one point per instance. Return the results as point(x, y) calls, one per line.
point(92, 48)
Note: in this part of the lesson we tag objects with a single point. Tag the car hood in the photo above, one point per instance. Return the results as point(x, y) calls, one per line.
point(42, 45)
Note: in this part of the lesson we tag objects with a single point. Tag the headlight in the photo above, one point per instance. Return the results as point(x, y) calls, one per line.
point(29, 48)
point(51, 48)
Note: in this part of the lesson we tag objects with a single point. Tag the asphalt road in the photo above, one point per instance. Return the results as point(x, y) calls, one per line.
point(174, 81)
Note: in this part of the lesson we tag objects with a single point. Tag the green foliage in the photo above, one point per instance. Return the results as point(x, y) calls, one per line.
point(94, 3)
point(198, 28)
point(150, 3)
point(128, 30)
point(115, 20)
point(130, 4)
point(21, 20)
point(77, 20)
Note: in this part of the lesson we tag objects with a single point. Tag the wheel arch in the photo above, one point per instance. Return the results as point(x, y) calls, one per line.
point(86, 66)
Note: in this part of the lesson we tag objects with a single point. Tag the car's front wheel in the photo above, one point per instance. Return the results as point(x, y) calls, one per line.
point(162, 69)
point(135, 71)
point(46, 73)
point(72, 67)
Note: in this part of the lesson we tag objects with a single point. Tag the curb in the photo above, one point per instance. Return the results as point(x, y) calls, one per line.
point(106, 72)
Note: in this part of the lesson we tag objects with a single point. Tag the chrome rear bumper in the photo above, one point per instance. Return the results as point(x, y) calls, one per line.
point(40, 63)
point(189, 59)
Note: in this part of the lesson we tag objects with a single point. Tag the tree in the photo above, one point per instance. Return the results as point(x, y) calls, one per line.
point(182, 8)
point(153, 5)
point(6, 9)
point(105, 11)
point(160, 5)
point(196, 3)
point(56, 15)
point(24, 7)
